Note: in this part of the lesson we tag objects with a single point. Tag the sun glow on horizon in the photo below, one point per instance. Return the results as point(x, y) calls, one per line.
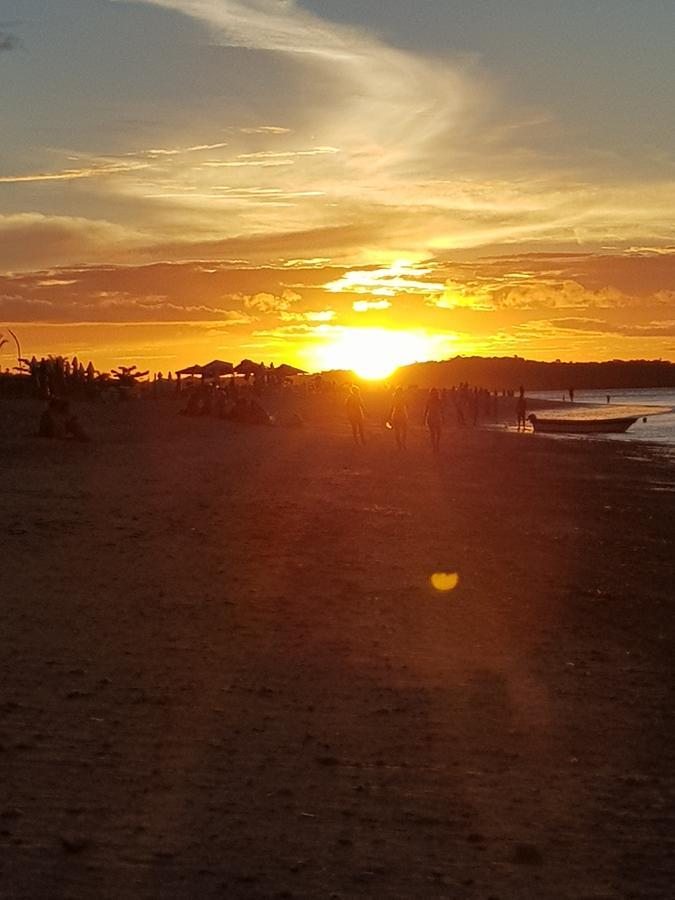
point(373, 353)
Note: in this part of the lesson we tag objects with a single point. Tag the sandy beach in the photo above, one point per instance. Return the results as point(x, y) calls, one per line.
point(225, 672)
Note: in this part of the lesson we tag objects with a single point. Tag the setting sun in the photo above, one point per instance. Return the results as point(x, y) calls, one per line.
point(373, 353)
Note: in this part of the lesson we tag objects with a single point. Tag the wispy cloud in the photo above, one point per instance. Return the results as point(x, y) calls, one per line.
point(266, 129)
point(401, 154)
point(331, 143)
point(242, 163)
point(179, 151)
point(386, 104)
point(96, 171)
point(280, 154)
point(361, 306)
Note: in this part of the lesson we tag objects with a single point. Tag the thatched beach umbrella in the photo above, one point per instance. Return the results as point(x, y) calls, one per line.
point(247, 367)
point(286, 371)
point(216, 368)
point(190, 370)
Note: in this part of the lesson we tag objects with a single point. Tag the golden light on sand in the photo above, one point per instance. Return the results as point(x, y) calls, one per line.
point(445, 581)
point(373, 353)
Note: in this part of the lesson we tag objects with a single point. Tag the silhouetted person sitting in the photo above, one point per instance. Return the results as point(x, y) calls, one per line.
point(52, 421)
point(256, 414)
point(221, 404)
point(205, 404)
point(249, 412)
point(239, 410)
point(75, 430)
point(193, 404)
point(57, 421)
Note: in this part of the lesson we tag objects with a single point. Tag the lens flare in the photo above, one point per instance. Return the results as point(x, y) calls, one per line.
point(445, 581)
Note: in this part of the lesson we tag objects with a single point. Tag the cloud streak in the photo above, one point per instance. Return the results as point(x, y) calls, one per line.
point(74, 174)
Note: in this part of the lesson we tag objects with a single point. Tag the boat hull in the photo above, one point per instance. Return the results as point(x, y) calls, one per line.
point(582, 426)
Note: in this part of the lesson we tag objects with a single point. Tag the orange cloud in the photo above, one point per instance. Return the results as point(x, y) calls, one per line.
point(225, 307)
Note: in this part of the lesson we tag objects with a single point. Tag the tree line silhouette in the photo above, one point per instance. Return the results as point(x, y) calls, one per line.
point(500, 373)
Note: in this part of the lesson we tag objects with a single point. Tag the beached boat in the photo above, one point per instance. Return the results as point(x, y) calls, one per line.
point(570, 425)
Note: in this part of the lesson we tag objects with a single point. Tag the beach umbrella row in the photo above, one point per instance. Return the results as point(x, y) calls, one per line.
point(214, 369)
point(218, 367)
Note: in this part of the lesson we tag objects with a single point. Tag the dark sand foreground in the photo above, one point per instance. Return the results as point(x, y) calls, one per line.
point(224, 672)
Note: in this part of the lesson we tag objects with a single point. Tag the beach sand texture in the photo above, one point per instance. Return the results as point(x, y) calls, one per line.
point(225, 673)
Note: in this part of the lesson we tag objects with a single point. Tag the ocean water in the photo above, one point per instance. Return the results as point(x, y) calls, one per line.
point(659, 429)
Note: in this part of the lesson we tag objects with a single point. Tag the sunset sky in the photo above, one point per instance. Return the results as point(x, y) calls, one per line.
point(293, 179)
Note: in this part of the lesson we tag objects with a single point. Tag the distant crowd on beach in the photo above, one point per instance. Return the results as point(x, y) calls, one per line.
point(459, 406)
point(232, 402)
point(224, 403)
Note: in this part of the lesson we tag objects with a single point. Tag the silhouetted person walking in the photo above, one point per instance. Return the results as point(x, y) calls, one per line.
point(433, 419)
point(399, 418)
point(356, 414)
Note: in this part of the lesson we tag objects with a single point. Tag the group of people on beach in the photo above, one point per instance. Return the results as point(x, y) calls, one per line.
point(222, 403)
point(462, 404)
point(433, 418)
point(438, 405)
point(399, 416)
point(234, 404)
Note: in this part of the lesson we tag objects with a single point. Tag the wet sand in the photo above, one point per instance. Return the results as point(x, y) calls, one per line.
point(224, 672)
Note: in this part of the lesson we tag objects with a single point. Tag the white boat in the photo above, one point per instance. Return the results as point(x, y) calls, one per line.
point(585, 425)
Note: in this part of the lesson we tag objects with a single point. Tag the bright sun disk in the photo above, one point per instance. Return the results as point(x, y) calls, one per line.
point(373, 353)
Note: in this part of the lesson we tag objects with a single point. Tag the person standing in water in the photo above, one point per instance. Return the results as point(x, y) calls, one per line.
point(356, 414)
point(433, 419)
point(399, 418)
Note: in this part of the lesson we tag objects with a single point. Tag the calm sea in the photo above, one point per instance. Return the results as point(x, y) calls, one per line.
point(657, 429)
